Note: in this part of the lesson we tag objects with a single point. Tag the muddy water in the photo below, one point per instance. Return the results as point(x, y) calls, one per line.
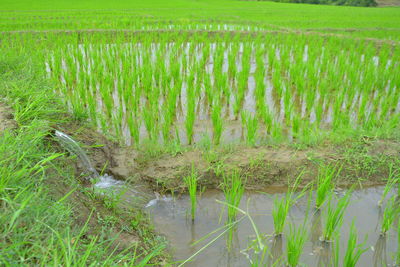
point(171, 218)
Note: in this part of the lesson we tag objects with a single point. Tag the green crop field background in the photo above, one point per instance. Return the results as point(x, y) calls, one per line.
point(383, 23)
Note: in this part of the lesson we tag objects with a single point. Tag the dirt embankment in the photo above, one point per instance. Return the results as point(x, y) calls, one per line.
point(364, 163)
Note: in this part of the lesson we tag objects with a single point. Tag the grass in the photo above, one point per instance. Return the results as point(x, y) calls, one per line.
point(39, 225)
point(191, 183)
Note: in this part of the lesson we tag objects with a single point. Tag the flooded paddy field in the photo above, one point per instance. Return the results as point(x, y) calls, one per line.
point(171, 217)
point(228, 91)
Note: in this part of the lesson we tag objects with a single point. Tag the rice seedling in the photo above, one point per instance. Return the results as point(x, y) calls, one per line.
point(191, 183)
point(334, 216)
point(282, 206)
point(391, 181)
point(390, 214)
point(233, 188)
point(296, 240)
point(251, 124)
point(354, 250)
point(217, 121)
point(325, 183)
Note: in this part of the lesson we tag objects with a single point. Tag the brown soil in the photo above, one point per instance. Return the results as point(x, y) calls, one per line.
point(6, 118)
point(104, 154)
point(366, 164)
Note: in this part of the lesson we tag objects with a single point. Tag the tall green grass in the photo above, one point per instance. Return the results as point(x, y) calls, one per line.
point(39, 223)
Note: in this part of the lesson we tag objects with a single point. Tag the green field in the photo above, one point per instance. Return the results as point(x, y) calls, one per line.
point(187, 96)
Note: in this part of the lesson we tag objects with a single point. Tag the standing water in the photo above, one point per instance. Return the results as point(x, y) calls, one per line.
point(172, 219)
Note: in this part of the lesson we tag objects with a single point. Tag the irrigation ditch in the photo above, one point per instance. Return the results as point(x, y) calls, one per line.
point(156, 185)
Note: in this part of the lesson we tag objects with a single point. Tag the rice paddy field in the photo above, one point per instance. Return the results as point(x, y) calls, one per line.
point(262, 133)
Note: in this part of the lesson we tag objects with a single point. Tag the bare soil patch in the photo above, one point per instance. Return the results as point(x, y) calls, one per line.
point(6, 118)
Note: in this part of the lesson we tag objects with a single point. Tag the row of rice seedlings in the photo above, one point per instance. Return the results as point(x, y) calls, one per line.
point(303, 77)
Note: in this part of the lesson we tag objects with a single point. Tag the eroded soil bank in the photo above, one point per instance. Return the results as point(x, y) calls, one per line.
point(364, 163)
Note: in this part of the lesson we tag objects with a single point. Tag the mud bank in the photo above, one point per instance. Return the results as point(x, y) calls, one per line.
point(365, 162)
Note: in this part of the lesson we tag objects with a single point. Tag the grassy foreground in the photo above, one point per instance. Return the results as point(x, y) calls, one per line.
point(46, 217)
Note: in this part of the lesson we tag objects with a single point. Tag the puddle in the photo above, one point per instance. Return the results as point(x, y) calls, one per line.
point(172, 219)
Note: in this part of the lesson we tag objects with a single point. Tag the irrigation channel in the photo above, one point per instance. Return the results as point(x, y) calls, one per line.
point(171, 217)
